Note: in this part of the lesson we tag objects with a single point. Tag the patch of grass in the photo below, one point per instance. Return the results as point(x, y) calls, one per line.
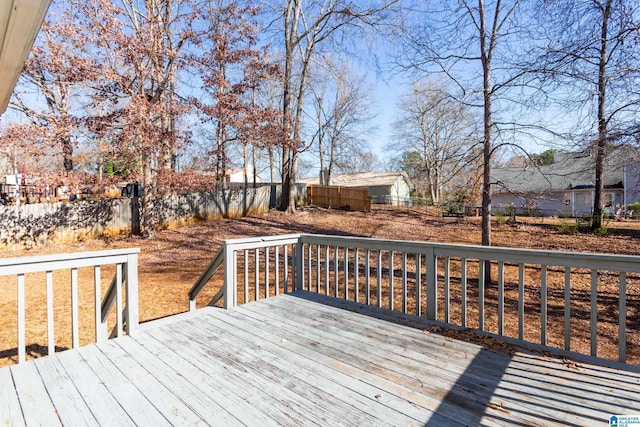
point(567, 227)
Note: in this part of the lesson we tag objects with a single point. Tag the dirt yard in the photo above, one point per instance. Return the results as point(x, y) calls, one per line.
point(170, 263)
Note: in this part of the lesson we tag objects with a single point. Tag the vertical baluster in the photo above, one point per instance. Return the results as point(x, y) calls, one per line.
point(246, 276)
point(481, 286)
point(594, 312)
point(356, 274)
point(404, 282)
point(463, 290)
point(391, 274)
point(256, 284)
point(335, 271)
point(317, 268)
point(447, 289)
point(75, 328)
point(285, 270)
point(622, 320)
point(22, 356)
point(543, 304)
point(567, 308)
point(51, 340)
point(367, 277)
point(379, 271)
point(346, 273)
point(501, 298)
point(299, 266)
point(521, 301)
point(119, 322)
point(309, 269)
point(419, 284)
point(326, 270)
point(266, 272)
point(276, 262)
point(431, 268)
point(97, 306)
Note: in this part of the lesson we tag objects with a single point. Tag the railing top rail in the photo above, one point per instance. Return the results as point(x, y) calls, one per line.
point(628, 263)
point(37, 263)
point(261, 242)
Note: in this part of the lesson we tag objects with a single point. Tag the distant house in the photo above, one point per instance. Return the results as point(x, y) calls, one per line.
point(391, 188)
point(237, 175)
point(566, 186)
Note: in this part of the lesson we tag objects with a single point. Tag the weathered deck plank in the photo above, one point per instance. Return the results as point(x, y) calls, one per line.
point(515, 381)
point(298, 375)
point(306, 359)
point(10, 413)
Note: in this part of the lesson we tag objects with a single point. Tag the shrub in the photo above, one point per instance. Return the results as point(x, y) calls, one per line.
point(635, 207)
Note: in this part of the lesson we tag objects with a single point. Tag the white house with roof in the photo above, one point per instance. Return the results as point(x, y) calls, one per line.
point(391, 188)
point(566, 187)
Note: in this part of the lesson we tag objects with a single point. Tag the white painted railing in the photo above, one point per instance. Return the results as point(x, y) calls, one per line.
point(557, 299)
point(126, 302)
point(272, 269)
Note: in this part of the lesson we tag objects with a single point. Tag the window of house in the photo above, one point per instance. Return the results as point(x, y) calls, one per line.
point(582, 199)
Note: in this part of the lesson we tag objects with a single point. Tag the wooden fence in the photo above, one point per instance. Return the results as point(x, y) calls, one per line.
point(35, 224)
point(331, 196)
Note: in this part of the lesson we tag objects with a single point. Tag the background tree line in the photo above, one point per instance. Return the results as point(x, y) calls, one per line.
point(174, 93)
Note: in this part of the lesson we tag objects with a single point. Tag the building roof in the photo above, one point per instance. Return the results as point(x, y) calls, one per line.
point(20, 21)
point(365, 179)
point(569, 171)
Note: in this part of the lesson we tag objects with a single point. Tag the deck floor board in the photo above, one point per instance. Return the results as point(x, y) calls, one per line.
point(308, 359)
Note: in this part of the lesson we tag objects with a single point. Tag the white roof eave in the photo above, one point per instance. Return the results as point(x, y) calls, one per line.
point(20, 21)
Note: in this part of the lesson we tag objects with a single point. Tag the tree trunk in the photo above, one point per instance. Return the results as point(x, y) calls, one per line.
point(485, 56)
point(596, 222)
point(67, 153)
point(148, 208)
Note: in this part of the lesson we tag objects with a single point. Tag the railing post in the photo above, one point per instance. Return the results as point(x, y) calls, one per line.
point(229, 276)
point(432, 282)
point(131, 275)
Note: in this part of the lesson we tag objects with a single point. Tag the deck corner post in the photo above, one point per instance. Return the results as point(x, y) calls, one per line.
point(132, 293)
point(229, 276)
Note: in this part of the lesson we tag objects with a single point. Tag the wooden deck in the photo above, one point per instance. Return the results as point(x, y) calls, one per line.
point(302, 359)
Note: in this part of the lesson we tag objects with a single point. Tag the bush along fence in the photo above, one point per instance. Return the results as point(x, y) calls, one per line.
point(36, 224)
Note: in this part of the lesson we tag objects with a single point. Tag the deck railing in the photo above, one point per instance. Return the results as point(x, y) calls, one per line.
point(273, 269)
point(573, 301)
point(126, 302)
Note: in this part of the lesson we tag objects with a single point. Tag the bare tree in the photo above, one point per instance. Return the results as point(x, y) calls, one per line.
point(435, 134)
point(592, 58)
point(475, 44)
point(307, 25)
point(341, 105)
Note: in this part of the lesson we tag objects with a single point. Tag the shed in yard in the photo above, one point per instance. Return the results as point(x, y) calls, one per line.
point(390, 188)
